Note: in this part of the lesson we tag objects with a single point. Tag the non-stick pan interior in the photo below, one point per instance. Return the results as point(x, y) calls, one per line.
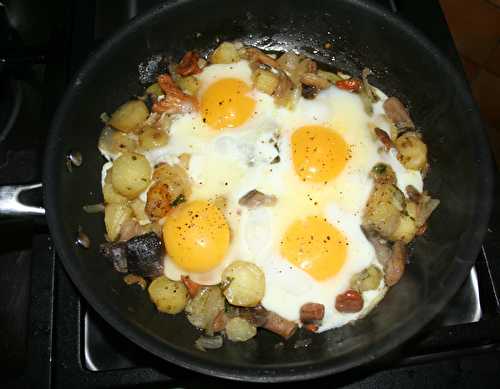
point(404, 65)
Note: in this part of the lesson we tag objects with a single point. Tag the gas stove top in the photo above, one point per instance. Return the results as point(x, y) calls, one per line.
point(50, 337)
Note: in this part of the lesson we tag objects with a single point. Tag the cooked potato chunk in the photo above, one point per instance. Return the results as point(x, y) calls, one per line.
point(109, 193)
point(383, 209)
point(159, 201)
point(240, 330)
point(114, 142)
point(114, 216)
point(175, 177)
point(151, 138)
point(412, 152)
point(168, 296)
point(265, 81)
point(204, 307)
point(225, 53)
point(131, 174)
point(406, 230)
point(368, 279)
point(189, 85)
point(244, 284)
point(129, 116)
point(139, 208)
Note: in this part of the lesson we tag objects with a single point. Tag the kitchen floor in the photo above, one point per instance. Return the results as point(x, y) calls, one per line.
point(475, 26)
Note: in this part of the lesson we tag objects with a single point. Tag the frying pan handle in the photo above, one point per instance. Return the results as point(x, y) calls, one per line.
point(11, 205)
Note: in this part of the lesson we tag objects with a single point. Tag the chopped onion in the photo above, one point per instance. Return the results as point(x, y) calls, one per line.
point(208, 342)
point(93, 208)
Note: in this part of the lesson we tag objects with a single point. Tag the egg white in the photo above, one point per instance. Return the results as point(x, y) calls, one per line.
point(232, 162)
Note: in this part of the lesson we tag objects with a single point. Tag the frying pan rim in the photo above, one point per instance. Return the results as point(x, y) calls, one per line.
point(279, 374)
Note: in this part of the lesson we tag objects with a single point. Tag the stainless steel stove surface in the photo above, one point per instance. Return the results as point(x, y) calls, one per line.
point(50, 337)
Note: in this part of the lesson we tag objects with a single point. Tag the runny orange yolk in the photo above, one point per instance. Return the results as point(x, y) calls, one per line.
point(315, 246)
point(196, 236)
point(319, 154)
point(225, 104)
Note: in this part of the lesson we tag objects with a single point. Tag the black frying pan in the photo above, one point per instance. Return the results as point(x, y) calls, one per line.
point(405, 64)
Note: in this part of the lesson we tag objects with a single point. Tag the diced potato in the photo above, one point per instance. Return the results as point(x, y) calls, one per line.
point(131, 174)
point(159, 202)
point(412, 152)
point(130, 116)
point(383, 174)
point(154, 89)
point(151, 138)
point(243, 283)
point(406, 230)
point(265, 81)
point(139, 208)
point(205, 306)
point(189, 85)
point(164, 122)
point(113, 142)
point(114, 216)
point(368, 279)
point(109, 193)
point(383, 209)
point(169, 296)
point(175, 177)
point(240, 330)
point(225, 53)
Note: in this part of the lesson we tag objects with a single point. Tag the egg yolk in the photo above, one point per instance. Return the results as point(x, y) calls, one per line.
point(225, 104)
point(315, 246)
point(196, 236)
point(319, 154)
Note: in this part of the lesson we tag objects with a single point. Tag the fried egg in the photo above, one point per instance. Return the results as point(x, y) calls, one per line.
point(315, 159)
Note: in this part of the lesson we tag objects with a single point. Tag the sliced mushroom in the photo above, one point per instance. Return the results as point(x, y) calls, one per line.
point(384, 138)
point(397, 113)
point(254, 199)
point(395, 266)
point(381, 246)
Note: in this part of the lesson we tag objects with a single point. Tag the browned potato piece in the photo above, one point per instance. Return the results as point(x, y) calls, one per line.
point(169, 296)
point(114, 217)
point(131, 174)
point(383, 209)
point(225, 53)
point(204, 307)
point(158, 202)
point(151, 138)
point(244, 284)
point(412, 152)
point(129, 116)
point(265, 81)
point(406, 230)
point(240, 330)
point(175, 177)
